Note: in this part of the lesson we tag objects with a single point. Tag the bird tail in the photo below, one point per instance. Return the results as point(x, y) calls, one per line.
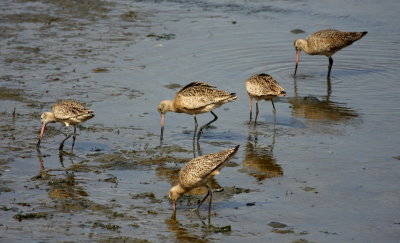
point(232, 97)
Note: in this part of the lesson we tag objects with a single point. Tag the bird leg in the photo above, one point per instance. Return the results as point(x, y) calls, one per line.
point(195, 128)
point(205, 126)
point(208, 193)
point(273, 111)
point(273, 106)
point(209, 205)
point(329, 88)
point(196, 149)
point(213, 120)
point(255, 120)
point(251, 107)
point(73, 138)
point(61, 158)
point(330, 67)
point(62, 143)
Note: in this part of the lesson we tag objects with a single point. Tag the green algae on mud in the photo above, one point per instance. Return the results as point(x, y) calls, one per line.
point(29, 17)
point(13, 94)
point(173, 86)
point(38, 215)
point(149, 195)
point(81, 9)
point(122, 173)
point(164, 36)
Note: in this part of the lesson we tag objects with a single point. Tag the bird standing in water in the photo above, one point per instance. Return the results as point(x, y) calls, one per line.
point(198, 172)
point(68, 112)
point(195, 98)
point(263, 87)
point(325, 42)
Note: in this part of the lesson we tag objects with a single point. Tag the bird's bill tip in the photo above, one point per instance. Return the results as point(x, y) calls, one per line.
point(174, 205)
point(297, 61)
point(162, 125)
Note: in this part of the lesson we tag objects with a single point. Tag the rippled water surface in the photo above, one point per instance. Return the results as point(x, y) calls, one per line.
point(326, 171)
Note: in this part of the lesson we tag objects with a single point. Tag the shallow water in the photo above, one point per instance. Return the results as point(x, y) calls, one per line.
point(328, 171)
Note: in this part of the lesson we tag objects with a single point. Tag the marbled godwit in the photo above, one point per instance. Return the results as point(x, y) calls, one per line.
point(195, 98)
point(197, 172)
point(68, 112)
point(325, 42)
point(263, 87)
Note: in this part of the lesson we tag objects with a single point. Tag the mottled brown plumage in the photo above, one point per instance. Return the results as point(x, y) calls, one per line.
point(195, 98)
point(198, 171)
point(68, 112)
point(263, 87)
point(326, 42)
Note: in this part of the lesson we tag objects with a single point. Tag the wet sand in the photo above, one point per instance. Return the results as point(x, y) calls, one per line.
point(327, 171)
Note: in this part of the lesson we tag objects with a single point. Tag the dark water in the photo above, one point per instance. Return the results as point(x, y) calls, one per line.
point(328, 171)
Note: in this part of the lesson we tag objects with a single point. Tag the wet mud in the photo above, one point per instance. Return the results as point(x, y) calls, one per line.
point(325, 169)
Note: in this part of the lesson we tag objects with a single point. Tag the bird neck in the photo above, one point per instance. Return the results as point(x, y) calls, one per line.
point(49, 117)
point(169, 105)
point(303, 45)
point(175, 192)
point(178, 189)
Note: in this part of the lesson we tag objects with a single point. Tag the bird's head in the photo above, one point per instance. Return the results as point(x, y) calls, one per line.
point(165, 106)
point(47, 117)
point(174, 194)
point(299, 44)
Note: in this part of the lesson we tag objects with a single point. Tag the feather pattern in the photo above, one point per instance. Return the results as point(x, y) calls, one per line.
point(328, 42)
point(199, 170)
point(198, 95)
point(263, 86)
point(71, 111)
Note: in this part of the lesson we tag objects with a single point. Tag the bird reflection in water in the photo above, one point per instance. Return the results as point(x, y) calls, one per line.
point(187, 233)
point(310, 107)
point(62, 185)
point(182, 234)
point(259, 161)
point(42, 171)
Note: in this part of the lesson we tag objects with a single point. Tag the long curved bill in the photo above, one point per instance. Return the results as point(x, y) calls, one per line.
point(162, 126)
point(41, 135)
point(297, 61)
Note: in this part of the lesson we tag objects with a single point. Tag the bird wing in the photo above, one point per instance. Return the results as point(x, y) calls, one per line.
point(333, 40)
point(263, 85)
point(199, 170)
point(198, 95)
point(67, 109)
point(197, 83)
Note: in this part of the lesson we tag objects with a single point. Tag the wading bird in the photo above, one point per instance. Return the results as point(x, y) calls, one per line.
point(197, 172)
point(68, 112)
point(195, 98)
point(263, 87)
point(325, 42)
